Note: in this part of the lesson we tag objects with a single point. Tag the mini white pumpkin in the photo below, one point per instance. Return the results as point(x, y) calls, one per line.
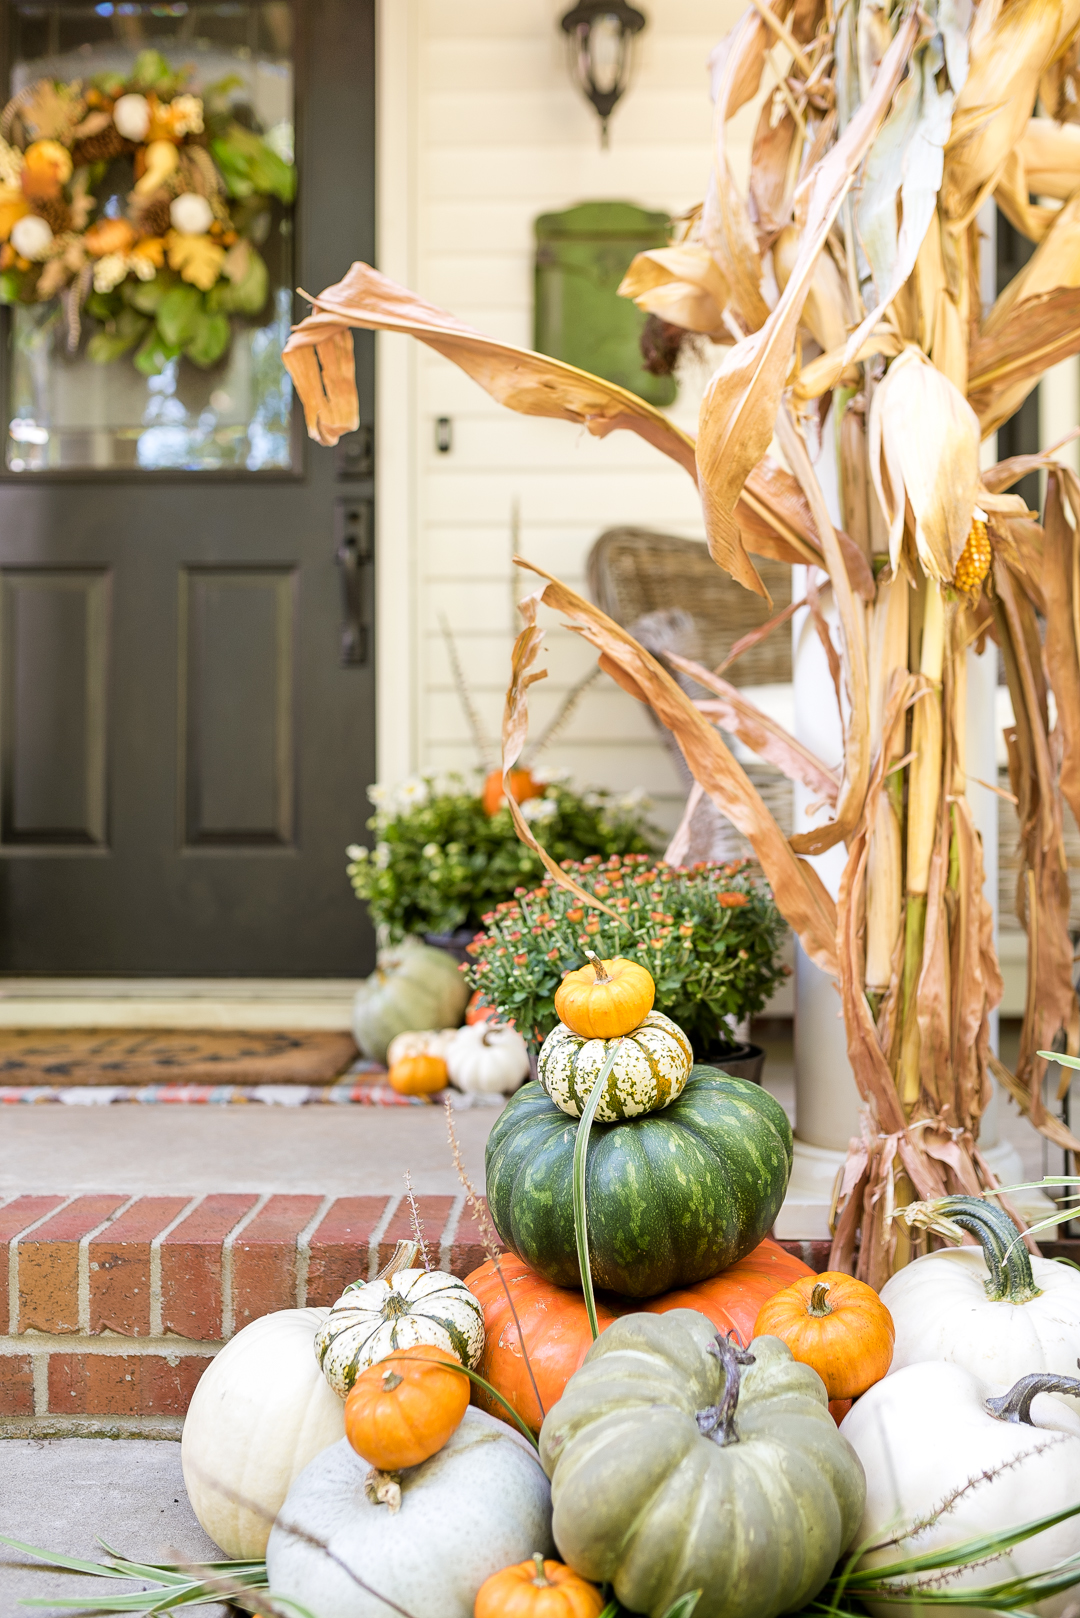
point(999, 1316)
point(650, 1071)
point(373, 1318)
point(191, 214)
point(926, 1437)
point(487, 1058)
point(413, 986)
point(480, 1504)
point(32, 237)
point(420, 1042)
point(260, 1413)
point(131, 115)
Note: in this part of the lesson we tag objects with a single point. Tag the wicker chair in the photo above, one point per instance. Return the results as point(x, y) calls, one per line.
point(671, 596)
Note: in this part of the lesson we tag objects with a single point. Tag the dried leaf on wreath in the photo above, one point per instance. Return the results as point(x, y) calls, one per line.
point(198, 259)
point(799, 891)
point(533, 384)
point(45, 111)
point(738, 412)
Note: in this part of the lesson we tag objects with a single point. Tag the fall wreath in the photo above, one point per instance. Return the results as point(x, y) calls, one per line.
point(137, 204)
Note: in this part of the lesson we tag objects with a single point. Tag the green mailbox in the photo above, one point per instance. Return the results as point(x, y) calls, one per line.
point(581, 256)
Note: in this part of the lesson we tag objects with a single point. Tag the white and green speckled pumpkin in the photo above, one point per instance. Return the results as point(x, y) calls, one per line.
point(372, 1319)
point(650, 1070)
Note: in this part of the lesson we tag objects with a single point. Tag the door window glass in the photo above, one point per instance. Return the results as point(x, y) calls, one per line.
point(146, 182)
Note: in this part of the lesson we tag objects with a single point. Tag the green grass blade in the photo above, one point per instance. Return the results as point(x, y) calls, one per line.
point(53, 1559)
point(684, 1607)
point(971, 1550)
point(581, 1223)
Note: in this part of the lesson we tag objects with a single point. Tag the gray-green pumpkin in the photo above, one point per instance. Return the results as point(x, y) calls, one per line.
point(672, 1197)
point(651, 1068)
point(675, 1468)
point(413, 986)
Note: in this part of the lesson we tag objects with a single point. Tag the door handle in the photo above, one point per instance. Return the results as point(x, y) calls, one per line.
point(355, 551)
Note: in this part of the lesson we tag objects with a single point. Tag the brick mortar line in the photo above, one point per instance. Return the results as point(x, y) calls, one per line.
point(14, 1298)
point(155, 1263)
point(39, 1371)
point(450, 1230)
point(75, 1426)
point(83, 1272)
point(228, 1312)
point(303, 1249)
point(383, 1225)
point(111, 1343)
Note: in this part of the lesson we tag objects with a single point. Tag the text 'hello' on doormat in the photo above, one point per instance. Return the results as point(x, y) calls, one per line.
point(117, 1056)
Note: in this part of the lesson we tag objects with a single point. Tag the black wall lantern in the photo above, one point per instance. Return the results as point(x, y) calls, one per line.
point(600, 34)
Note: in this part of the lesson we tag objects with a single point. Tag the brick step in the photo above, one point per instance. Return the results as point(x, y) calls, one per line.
point(111, 1307)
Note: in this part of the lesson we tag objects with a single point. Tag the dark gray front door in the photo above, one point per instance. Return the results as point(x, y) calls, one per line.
point(183, 750)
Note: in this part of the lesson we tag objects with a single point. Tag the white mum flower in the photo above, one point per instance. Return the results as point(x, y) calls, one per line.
point(539, 808)
point(110, 271)
point(187, 115)
point(377, 794)
point(356, 851)
point(431, 851)
point(382, 855)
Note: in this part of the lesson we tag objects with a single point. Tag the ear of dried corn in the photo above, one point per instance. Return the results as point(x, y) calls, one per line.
point(850, 268)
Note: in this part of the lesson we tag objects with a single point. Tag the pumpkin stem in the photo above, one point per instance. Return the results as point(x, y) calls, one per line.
point(602, 975)
point(819, 1300)
point(391, 1380)
point(1015, 1405)
point(718, 1421)
point(403, 1257)
point(541, 1581)
point(1012, 1279)
point(384, 1489)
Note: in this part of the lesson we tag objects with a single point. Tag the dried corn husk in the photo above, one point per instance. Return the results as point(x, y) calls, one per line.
point(682, 284)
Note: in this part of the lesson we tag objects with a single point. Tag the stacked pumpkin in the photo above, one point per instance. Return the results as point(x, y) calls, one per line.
point(684, 1174)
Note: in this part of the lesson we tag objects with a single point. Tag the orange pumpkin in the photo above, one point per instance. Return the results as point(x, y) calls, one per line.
point(538, 1589)
point(476, 1011)
point(835, 1324)
point(555, 1327)
point(405, 1408)
point(606, 998)
point(418, 1075)
point(522, 785)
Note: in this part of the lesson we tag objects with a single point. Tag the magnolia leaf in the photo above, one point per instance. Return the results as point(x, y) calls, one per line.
point(177, 315)
point(738, 411)
point(209, 340)
point(682, 284)
point(533, 384)
point(923, 432)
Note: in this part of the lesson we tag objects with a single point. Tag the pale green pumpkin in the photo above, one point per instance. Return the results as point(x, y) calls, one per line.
point(651, 1068)
point(413, 986)
point(675, 1468)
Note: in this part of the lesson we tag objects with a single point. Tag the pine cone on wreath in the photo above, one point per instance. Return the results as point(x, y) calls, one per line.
point(55, 212)
point(100, 148)
point(154, 218)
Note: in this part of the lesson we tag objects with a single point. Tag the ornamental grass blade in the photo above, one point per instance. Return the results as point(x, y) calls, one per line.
point(925, 436)
point(980, 1548)
point(799, 891)
point(533, 384)
point(682, 284)
point(738, 411)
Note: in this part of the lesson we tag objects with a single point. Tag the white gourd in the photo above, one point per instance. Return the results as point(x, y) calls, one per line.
point(419, 1042)
point(650, 1072)
point(922, 1434)
point(479, 1505)
point(413, 986)
point(261, 1412)
point(942, 1311)
point(487, 1059)
point(371, 1319)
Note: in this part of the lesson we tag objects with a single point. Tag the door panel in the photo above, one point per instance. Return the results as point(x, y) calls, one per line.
point(184, 751)
point(237, 633)
point(55, 661)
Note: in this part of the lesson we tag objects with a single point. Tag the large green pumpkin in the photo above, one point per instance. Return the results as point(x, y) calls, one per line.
point(672, 1197)
point(674, 1467)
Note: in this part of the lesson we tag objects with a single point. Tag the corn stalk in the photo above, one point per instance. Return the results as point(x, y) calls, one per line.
point(845, 284)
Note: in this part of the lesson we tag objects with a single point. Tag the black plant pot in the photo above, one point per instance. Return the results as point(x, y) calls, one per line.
point(742, 1061)
point(455, 943)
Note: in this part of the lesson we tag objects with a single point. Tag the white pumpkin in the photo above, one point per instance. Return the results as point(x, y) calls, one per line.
point(481, 1504)
point(420, 1042)
point(487, 1059)
point(260, 1413)
point(413, 986)
point(371, 1319)
point(1000, 1320)
point(925, 1432)
point(650, 1071)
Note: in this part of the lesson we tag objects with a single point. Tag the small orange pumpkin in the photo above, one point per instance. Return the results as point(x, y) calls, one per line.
point(402, 1410)
point(418, 1075)
point(835, 1324)
point(522, 784)
point(606, 998)
point(538, 1589)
